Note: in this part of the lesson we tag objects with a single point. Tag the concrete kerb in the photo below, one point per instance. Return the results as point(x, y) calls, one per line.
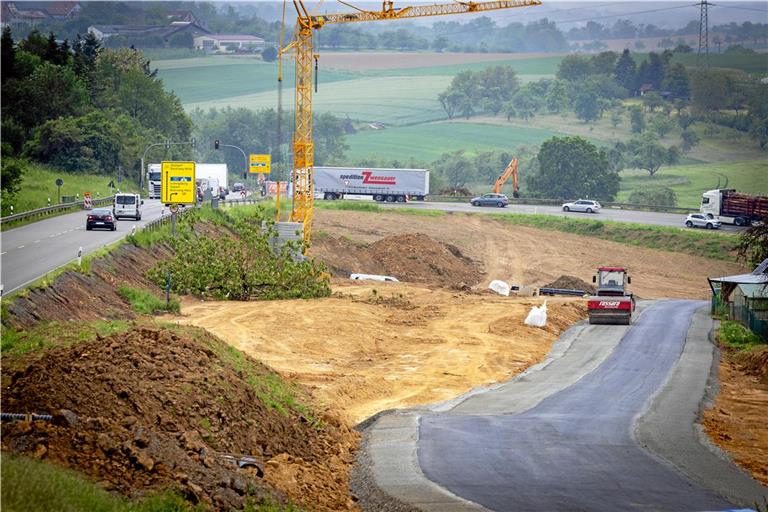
point(388, 476)
point(669, 427)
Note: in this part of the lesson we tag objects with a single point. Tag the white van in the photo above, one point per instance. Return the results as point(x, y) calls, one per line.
point(127, 205)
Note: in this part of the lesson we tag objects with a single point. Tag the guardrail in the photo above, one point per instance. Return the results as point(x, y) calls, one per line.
point(557, 202)
point(48, 210)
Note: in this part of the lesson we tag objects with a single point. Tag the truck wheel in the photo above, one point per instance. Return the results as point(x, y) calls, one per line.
point(688, 224)
point(739, 221)
point(710, 216)
point(400, 199)
point(378, 197)
point(390, 199)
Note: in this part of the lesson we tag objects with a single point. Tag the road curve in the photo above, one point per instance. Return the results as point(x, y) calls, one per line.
point(575, 450)
point(562, 435)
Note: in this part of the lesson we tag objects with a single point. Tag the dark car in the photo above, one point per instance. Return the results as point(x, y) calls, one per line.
point(499, 200)
point(237, 187)
point(101, 218)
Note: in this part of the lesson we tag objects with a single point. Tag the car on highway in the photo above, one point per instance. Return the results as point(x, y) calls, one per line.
point(582, 205)
point(101, 218)
point(499, 200)
point(699, 220)
point(237, 187)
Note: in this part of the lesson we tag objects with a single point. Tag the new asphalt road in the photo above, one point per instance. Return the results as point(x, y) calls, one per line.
point(565, 435)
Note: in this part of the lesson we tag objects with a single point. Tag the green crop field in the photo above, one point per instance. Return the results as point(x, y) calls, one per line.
point(205, 79)
point(748, 62)
point(389, 100)
point(546, 67)
point(428, 141)
point(689, 181)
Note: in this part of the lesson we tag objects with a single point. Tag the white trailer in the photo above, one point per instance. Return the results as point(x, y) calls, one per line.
point(215, 174)
point(391, 185)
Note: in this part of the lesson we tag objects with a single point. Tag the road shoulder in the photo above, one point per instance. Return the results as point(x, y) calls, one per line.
point(669, 427)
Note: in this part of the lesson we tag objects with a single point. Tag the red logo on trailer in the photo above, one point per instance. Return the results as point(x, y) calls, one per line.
point(370, 179)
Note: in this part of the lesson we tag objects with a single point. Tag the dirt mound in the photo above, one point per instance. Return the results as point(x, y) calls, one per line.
point(570, 283)
point(753, 362)
point(415, 258)
point(153, 408)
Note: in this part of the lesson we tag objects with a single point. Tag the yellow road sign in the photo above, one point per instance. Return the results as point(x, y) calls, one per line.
point(178, 182)
point(260, 163)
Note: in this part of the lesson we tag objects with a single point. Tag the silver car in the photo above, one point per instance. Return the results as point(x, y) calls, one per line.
point(699, 220)
point(582, 205)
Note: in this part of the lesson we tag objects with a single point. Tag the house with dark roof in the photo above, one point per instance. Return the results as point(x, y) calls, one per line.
point(165, 32)
point(62, 10)
point(11, 15)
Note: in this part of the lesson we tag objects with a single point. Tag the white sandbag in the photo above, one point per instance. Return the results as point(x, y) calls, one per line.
point(537, 317)
point(500, 287)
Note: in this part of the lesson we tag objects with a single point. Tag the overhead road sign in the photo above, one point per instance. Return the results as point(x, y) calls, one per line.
point(178, 182)
point(260, 163)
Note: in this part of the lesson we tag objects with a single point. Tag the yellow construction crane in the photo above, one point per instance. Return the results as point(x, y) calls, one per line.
point(511, 170)
point(302, 46)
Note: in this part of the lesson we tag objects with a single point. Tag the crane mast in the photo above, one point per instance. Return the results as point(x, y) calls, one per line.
point(302, 45)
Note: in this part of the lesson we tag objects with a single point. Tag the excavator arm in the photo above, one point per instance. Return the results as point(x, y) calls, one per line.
point(511, 170)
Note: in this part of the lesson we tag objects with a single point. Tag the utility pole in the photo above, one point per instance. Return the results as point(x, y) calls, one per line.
point(702, 59)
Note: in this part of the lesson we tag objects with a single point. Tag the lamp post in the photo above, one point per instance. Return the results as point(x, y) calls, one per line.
point(217, 145)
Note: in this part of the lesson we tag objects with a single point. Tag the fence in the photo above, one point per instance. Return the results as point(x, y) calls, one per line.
point(748, 318)
point(50, 210)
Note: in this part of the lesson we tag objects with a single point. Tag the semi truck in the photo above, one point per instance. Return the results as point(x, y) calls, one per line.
point(153, 181)
point(390, 185)
point(734, 207)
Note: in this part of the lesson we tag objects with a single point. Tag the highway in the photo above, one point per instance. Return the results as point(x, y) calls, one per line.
point(31, 251)
point(676, 220)
point(573, 433)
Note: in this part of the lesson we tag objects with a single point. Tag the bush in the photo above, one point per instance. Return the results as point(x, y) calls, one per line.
point(654, 196)
point(240, 264)
point(735, 335)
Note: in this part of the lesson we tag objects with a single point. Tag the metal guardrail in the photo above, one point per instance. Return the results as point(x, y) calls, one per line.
point(48, 210)
point(558, 202)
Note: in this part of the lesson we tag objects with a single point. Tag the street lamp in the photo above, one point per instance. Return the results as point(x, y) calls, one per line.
point(217, 144)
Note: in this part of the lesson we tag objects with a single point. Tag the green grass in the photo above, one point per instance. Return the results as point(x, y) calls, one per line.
point(147, 303)
point(39, 183)
point(206, 79)
point(689, 181)
point(427, 142)
point(543, 66)
point(695, 243)
point(33, 485)
point(734, 335)
point(748, 62)
point(19, 342)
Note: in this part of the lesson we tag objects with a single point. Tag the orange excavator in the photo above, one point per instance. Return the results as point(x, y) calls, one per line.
point(511, 170)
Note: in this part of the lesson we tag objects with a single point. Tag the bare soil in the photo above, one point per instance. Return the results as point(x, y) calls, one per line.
point(522, 255)
point(156, 408)
point(737, 421)
point(570, 283)
point(377, 346)
point(361, 61)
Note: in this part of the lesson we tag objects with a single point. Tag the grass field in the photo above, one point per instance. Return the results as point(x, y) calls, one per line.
point(543, 66)
point(689, 181)
point(427, 142)
point(39, 184)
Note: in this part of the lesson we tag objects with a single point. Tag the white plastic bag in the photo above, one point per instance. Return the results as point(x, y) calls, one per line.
point(537, 317)
point(500, 287)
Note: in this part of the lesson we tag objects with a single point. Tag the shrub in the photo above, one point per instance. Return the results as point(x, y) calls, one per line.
point(146, 302)
point(654, 196)
point(735, 335)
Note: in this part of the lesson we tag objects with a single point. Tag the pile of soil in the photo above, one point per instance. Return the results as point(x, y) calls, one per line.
point(570, 283)
point(415, 258)
point(753, 362)
point(154, 408)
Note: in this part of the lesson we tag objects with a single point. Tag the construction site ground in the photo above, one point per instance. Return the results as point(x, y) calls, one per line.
point(376, 346)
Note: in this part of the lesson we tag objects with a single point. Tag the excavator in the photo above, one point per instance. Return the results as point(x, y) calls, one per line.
point(511, 170)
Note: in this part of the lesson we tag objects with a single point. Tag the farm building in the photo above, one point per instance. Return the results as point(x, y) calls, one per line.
point(228, 42)
point(745, 298)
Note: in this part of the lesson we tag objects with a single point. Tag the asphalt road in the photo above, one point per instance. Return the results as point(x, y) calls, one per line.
point(575, 449)
point(31, 251)
point(640, 217)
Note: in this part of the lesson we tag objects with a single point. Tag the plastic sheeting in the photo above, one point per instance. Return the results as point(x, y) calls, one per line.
point(537, 317)
point(500, 287)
